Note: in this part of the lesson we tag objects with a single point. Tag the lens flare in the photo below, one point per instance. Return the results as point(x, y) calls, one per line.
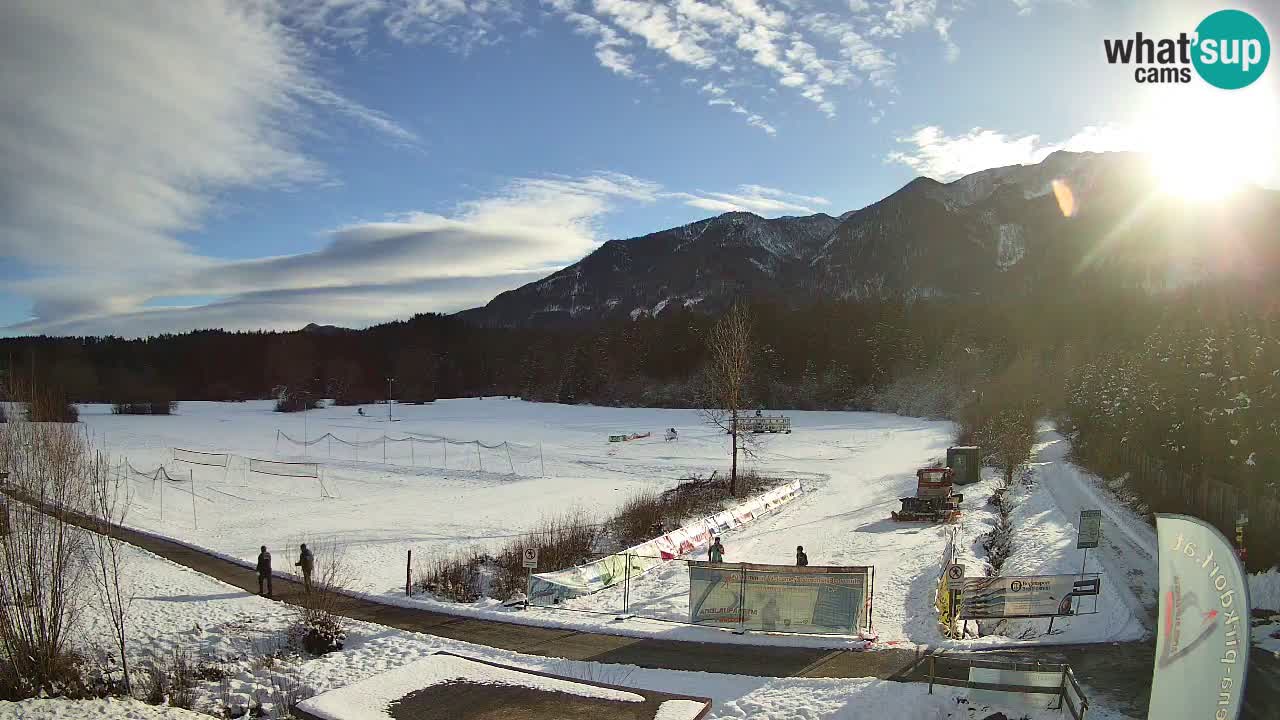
point(1066, 198)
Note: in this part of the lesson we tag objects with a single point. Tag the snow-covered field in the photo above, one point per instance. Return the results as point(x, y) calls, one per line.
point(179, 609)
point(856, 464)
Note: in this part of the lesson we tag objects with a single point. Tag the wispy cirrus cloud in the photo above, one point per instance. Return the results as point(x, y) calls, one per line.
point(758, 199)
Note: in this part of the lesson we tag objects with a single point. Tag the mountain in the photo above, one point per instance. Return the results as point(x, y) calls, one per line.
point(1070, 220)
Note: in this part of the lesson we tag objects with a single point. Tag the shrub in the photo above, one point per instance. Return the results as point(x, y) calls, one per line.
point(318, 626)
point(562, 541)
point(295, 404)
point(163, 407)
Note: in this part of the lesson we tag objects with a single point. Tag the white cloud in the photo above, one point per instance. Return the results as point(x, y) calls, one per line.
point(757, 199)
point(719, 97)
point(134, 119)
point(532, 226)
point(935, 154)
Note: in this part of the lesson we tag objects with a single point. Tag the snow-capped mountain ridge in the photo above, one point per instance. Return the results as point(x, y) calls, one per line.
point(997, 231)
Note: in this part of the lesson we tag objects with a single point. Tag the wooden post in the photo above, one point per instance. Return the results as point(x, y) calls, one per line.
point(507, 446)
point(412, 461)
point(932, 670)
point(408, 574)
point(478, 458)
point(156, 478)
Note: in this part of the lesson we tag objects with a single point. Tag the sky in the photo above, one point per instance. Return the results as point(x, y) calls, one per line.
point(250, 164)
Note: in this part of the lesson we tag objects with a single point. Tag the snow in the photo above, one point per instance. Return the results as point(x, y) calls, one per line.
point(857, 464)
point(1044, 520)
point(1012, 246)
point(111, 708)
point(1264, 590)
point(179, 609)
point(369, 699)
point(678, 710)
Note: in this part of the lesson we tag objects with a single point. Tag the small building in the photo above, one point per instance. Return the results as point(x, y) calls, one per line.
point(966, 461)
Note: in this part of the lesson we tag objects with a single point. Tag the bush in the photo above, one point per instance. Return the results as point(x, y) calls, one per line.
point(319, 627)
point(294, 404)
point(564, 541)
point(163, 407)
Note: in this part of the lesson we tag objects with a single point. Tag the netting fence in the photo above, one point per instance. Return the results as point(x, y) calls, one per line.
point(425, 451)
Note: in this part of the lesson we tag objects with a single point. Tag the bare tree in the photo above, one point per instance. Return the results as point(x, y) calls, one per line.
point(727, 376)
point(41, 554)
point(319, 623)
point(109, 504)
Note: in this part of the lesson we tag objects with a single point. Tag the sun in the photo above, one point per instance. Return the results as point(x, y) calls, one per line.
point(1206, 144)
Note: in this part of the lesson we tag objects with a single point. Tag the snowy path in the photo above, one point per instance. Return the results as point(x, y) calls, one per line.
point(1127, 556)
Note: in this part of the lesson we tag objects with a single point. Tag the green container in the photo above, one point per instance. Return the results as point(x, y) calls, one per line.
point(966, 462)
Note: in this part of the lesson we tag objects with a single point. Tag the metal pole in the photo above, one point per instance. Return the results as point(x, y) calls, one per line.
point(932, 671)
point(192, 477)
point(1051, 619)
point(507, 446)
point(384, 445)
point(277, 441)
point(412, 461)
point(408, 577)
point(626, 586)
point(156, 477)
point(304, 431)
point(1083, 559)
point(446, 452)
point(478, 458)
point(389, 381)
point(540, 462)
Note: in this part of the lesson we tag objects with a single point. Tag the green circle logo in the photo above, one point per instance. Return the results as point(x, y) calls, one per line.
point(1232, 49)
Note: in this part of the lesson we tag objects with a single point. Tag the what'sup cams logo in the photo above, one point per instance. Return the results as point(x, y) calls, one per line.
point(1229, 50)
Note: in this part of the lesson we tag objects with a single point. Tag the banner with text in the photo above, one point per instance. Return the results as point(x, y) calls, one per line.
point(554, 587)
point(1026, 596)
point(1202, 640)
point(781, 598)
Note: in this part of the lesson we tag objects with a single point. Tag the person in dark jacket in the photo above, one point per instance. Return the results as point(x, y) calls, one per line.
point(802, 560)
point(264, 571)
point(307, 562)
point(717, 552)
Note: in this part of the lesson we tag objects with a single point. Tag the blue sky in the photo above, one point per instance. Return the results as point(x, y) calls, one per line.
point(268, 163)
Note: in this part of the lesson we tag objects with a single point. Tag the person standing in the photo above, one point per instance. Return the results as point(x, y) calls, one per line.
point(802, 560)
point(264, 571)
point(717, 552)
point(306, 561)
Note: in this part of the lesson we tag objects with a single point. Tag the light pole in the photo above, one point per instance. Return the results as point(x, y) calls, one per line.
point(389, 381)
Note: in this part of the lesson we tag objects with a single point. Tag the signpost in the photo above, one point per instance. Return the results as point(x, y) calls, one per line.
point(1090, 534)
point(530, 556)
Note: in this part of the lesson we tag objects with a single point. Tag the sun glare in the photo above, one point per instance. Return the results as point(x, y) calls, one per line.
point(1207, 144)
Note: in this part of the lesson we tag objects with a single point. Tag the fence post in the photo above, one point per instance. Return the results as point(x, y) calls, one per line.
point(478, 458)
point(277, 441)
point(191, 475)
point(742, 598)
point(413, 462)
point(932, 670)
point(626, 587)
point(408, 574)
point(540, 462)
point(507, 445)
point(445, 441)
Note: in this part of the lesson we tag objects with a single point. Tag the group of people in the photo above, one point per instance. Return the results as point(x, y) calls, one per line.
point(716, 554)
point(306, 561)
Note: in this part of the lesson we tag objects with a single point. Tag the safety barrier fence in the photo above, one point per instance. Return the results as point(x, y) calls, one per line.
point(430, 451)
point(1034, 685)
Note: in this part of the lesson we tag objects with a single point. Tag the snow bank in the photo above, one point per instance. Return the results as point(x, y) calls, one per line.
point(371, 698)
point(1264, 590)
point(110, 709)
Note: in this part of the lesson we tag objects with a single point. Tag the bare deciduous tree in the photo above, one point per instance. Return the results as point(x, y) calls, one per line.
point(41, 567)
point(109, 504)
point(727, 376)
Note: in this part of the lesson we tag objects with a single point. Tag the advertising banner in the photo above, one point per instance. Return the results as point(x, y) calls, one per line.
point(780, 598)
point(555, 587)
point(1202, 640)
point(1026, 596)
